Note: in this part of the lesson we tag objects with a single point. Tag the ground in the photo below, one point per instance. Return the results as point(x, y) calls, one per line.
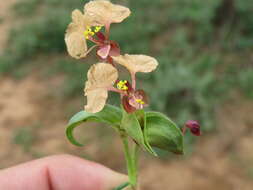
point(32, 125)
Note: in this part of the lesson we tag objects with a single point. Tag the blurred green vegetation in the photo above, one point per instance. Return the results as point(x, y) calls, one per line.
point(203, 47)
point(25, 137)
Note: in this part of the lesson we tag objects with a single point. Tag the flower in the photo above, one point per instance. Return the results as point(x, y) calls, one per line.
point(136, 63)
point(193, 126)
point(135, 101)
point(131, 99)
point(103, 12)
point(101, 77)
point(88, 26)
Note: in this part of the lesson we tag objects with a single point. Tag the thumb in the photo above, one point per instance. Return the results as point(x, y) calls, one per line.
point(62, 172)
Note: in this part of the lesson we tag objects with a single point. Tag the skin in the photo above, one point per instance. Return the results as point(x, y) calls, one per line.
point(61, 172)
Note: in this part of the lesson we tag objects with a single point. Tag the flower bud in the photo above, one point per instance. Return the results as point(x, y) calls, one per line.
point(193, 126)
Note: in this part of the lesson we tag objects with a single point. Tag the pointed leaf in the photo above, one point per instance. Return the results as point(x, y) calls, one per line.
point(109, 115)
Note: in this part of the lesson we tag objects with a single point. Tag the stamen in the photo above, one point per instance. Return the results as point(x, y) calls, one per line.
point(140, 101)
point(89, 32)
point(121, 85)
point(97, 28)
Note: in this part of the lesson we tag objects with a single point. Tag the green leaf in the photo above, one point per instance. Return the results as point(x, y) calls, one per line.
point(133, 127)
point(163, 133)
point(124, 185)
point(141, 116)
point(110, 115)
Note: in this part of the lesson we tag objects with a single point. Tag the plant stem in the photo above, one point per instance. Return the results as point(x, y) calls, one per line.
point(132, 162)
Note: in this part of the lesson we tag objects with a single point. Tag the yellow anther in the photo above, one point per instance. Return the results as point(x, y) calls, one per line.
point(90, 32)
point(97, 29)
point(86, 34)
point(121, 85)
point(140, 101)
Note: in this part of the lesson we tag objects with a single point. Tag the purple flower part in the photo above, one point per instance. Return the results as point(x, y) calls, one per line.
point(194, 127)
point(138, 99)
point(127, 107)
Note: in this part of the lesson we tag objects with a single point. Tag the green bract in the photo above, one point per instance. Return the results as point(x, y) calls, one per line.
point(147, 129)
point(163, 133)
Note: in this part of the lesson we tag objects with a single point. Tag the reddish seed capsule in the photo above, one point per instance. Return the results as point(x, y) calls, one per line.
point(193, 126)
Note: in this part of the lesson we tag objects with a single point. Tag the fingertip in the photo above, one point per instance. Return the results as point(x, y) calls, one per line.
point(113, 179)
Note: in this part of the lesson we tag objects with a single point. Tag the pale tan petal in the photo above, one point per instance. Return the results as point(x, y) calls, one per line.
point(103, 12)
point(77, 17)
point(81, 20)
point(74, 37)
point(96, 100)
point(137, 63)
point(76, 43)
point(100, 77)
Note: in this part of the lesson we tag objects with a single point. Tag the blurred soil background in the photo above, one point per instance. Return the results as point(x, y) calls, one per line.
point(206, 73)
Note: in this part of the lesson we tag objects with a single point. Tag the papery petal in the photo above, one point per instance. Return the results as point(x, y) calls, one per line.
point(77, 17)
point(74, 37)
point(96, 99)
point(137, 63)
point(104, 12)
point(100, 77)
point(103, 51)
point(76, 45)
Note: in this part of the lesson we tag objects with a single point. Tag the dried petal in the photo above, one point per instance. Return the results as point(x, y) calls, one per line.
point(78, 18)
point(137, 63)
point(76, 45)
point(103, 12)
point(74, 37)
point(96, 100)
point(101, 76)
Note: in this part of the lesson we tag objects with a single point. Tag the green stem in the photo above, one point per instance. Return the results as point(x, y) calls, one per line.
point(132, 162)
